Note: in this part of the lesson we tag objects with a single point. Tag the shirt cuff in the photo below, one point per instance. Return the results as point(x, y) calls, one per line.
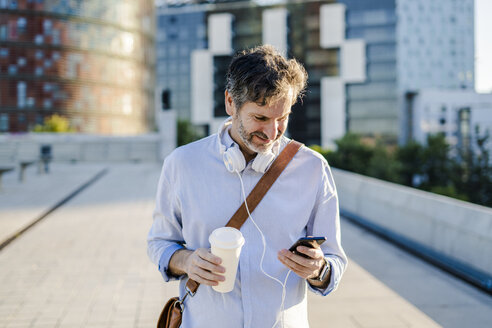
point(164, 262)
point(331, 286)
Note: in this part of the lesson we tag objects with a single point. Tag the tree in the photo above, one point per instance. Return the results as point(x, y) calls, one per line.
point(411, 159)
point(54, 123)
point(383, 164)
point(467, 177)
point(436, 166)
point(351, 154)
point(186, 133)
point(473, 171)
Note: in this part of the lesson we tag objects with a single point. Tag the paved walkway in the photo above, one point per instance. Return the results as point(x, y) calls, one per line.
point(23, 202)
point(85, 265)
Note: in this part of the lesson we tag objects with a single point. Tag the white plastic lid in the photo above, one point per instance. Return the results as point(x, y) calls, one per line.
point(226, 237)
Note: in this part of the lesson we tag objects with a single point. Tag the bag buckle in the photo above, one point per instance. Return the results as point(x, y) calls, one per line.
point(180, 304)
point(181, 301)
point(189, 292)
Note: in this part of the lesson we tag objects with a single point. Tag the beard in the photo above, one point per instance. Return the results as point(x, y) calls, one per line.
point(247, 138)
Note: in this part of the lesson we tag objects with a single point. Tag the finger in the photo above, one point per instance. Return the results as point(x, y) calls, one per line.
point(300, 269)
point(288, 265)
point(306, 262)
point(314, 253)
point(208, 256)
point(203, 281)
point(206, 265)
point(305, 273)
point(209, 276)
point(204, 276)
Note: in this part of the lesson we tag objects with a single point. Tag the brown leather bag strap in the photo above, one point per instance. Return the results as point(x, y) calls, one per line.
point(257, 194)
point(262, 187)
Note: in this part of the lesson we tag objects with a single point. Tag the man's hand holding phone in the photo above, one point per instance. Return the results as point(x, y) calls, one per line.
point(305, 257)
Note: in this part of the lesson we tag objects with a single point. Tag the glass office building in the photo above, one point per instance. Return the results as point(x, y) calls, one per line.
point(90, 61)
point(411, 45)
point(372, 106)
point(396, 47)
point(180, 31)
point(188, 28)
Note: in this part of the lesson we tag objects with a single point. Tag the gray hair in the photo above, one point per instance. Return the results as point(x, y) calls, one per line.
point(263, 76)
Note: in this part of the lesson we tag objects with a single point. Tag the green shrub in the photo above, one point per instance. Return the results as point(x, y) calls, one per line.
point(383, 165)
point(449, 191)
point(351, 154)
point(467, 176)
point(322, 151)
point(186, 133)
point(411, 159)
point(54, 123)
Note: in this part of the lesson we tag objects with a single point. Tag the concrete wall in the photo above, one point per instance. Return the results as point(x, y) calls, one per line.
point(77, 147)
point(453, 229)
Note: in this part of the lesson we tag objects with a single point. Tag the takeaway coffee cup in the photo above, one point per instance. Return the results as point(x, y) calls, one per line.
point(226, 243)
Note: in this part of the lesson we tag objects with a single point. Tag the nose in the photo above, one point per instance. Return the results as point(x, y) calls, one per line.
point(271, 130)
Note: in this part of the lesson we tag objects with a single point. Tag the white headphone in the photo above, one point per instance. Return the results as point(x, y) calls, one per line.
point(233, 157)
point(234, 161)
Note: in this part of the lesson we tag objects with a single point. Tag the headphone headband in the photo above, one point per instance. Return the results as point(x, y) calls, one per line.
point(233, 158)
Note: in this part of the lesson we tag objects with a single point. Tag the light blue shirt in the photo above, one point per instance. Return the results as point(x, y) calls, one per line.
point(196, 194)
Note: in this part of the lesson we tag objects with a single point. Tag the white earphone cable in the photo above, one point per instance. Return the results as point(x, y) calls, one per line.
point(263, 256)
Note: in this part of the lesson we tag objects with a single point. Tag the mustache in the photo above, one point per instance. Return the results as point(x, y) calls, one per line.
point(260, 134)
point(264, 136)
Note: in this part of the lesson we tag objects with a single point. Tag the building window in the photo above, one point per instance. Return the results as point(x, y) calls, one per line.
point(21, 61)
point(47, 25)
point(47, 103)
point(21, 94)
point(47, 87)
point(12, 69)
point(3, 32)
point(39, 39)
point(4, 122)
point(21, 24)
point(39, 119)
point(464, 122)
point(31, 101)
point(161, 21)
point(56, 36)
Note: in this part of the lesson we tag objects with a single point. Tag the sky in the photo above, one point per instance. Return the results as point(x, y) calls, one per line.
point(483, 45)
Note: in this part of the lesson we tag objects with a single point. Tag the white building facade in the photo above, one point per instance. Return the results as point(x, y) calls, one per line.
point(454, 113)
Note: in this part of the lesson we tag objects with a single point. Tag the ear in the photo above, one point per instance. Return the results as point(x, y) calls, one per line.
point(229, 104)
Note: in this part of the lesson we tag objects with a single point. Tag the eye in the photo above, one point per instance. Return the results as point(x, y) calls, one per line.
point(260, 118)
point(285, 117)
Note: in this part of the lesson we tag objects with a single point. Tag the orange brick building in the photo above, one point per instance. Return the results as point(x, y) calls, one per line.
point(90, 61)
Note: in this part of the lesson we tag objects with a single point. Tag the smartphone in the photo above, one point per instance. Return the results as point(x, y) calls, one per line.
point(311, 242)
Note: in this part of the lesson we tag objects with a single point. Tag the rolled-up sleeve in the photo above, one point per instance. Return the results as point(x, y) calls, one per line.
point(165, 236)
point(164, 262)
point(325, 221)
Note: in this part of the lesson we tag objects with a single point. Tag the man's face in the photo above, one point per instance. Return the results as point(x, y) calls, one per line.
point(256, 128)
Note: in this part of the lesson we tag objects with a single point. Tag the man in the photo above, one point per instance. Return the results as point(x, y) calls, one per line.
point(197, 194)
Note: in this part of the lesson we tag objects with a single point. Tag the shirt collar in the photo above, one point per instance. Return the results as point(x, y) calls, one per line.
point(227, 141)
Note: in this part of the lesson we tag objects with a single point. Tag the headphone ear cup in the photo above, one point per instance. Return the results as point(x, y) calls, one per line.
point(262, 161)
point(234, 160)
